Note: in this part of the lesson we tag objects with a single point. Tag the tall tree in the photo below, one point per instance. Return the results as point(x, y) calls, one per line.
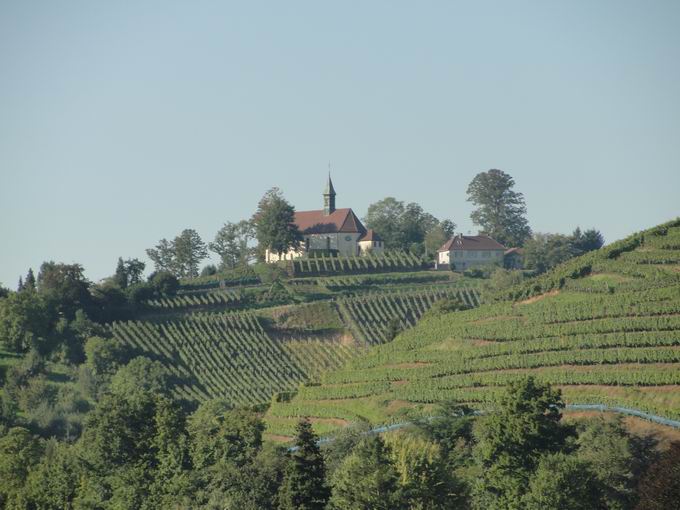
point(500, 210)
point(182, 256)
point(232, 244)
point(274, 223)
point(190, 250)
point(367, 479)
point(304, 483)
point(65, 288)
point(163, 256)
point(29, 281)
point(511, 441)
point(384, 217)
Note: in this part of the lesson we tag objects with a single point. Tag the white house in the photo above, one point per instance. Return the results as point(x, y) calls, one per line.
point(331, 230)
point(462, 252)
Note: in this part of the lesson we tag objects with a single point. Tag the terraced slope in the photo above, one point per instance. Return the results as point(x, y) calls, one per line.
point(248, 357)
point(604, 327)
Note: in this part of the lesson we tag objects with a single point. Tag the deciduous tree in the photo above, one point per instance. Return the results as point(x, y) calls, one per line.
point(274, 223)
point(500, 210)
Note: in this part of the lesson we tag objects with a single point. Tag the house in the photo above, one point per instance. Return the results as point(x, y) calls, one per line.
point(513, 258)
point(331, 231)
point(462, 252)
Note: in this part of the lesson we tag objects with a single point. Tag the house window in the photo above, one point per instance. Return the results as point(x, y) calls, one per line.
point(486, 254)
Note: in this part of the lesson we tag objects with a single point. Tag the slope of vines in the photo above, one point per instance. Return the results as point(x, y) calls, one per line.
point(605, 328)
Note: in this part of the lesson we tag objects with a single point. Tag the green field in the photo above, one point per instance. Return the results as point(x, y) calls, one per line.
point(604, 327)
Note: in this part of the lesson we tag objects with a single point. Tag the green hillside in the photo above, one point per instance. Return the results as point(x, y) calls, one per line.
point(603, 327)
point(250, 343)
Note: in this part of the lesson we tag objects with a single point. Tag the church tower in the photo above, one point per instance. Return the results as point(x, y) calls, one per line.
point(329, 197)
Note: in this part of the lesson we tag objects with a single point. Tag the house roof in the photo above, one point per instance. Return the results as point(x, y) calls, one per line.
point(461, 242)
point(370, 235)
point(340, 220)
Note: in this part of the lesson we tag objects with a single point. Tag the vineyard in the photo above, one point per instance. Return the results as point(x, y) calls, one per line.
point(327, 265)
point(229, 355)
point(247, 357)
point(604, 328)
point(369, 317)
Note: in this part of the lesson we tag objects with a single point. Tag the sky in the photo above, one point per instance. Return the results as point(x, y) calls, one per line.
point(122, 123)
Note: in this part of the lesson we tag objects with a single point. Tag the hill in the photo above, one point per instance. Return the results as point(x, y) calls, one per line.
point(247, 341)
point(603, 327)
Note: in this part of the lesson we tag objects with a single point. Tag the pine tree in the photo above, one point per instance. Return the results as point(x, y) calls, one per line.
point(20, 285)
point(120, 276)
point(304, 484)
point(29, 282)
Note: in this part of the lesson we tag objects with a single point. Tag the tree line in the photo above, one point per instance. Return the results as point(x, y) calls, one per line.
point(141, 449)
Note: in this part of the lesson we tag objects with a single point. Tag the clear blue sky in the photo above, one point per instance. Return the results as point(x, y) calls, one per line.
point(125, 122)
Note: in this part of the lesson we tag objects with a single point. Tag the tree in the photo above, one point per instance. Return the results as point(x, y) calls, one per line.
point(221, 436)
point(164, 283)
point(406, 226)
point(500, 210)
point(385, 218)
point(29, 281)
point(140, 375)
point(587, 241)
point(104, 355)
point(64, 288)
point(163, 256)
point(511, 440)
point(545, 251)
point(659, 488)
point(304, 482)
point(24, 321)
point(232, 244)
point(423, 471)
point(53, 483)
point(434, 239)
point(128, 272)
point(561, 481)
point(19, 452)
point(606, 447)
point(190, 250)
point(274, 223)
point(367, 479)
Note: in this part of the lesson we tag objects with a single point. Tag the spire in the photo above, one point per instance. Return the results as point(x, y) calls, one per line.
point(329, 195)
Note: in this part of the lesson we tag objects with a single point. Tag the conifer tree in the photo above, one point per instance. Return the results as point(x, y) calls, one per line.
point(20, 285)
point(304, 483)
point(29, 282)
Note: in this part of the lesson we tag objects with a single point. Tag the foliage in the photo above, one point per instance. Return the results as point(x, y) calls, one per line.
point(24, 321)
point(402, 225)
point(561, 481)
point(232, 244)
point(274, 224)
point(500, 210)
point(128, 272)
point(367, 479)
point(181, 256)
point(304, 483)
point(511, 441)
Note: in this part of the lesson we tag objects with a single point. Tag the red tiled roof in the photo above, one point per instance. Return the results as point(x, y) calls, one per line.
point(460, 242)
point(340, 220)
point(370, 235)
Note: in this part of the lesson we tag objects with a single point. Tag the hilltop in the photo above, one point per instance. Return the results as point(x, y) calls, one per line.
point(603, 327)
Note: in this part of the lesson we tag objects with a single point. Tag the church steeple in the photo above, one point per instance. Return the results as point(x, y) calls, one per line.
point(329, 197)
